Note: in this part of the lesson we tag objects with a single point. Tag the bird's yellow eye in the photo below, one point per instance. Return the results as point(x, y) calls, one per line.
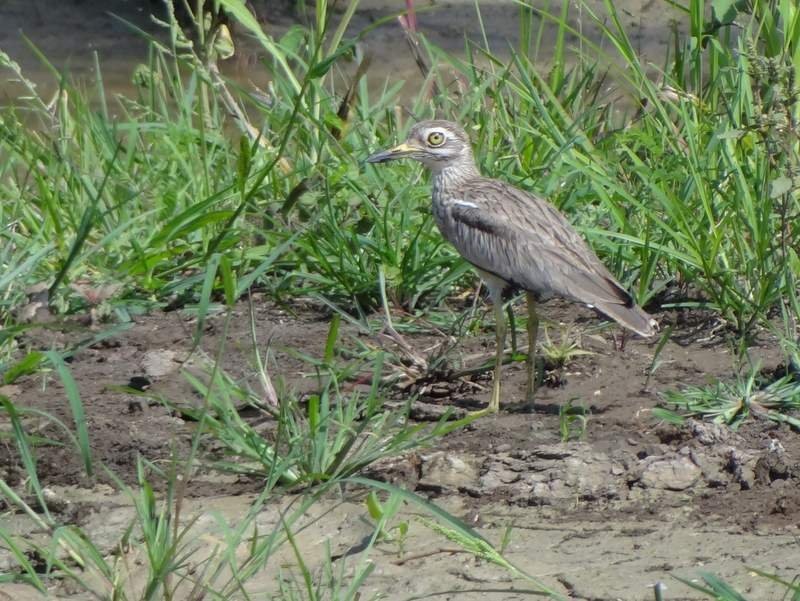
point(435, 138)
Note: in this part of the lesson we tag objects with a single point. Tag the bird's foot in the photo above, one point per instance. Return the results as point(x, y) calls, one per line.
point(489, 410)
point(492, 407)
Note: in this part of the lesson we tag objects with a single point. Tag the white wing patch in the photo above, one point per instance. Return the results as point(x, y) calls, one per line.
point(464, 203)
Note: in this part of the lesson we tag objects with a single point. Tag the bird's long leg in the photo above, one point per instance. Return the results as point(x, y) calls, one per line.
point(500, 333)
point(496, 294)
point(512, 327)
point(533, 329)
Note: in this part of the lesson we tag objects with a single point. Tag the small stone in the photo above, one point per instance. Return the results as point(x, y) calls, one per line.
point(429, 412)
point(708, 433)
point(55, 502)
point(439, 391)
point(742, 466)
point(159, 363)
point(670, 473)
point(654, 450)
point(10, 390)
point(445, 471)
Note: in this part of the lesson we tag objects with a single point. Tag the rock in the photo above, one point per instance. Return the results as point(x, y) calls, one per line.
point(708, 433)
point(403, 471)
point(159, 363)
point(676, 472)
point(653, 450)
point(583, 475)
point(497, 478)
point(709, 466)
point(428, 412)
point(443, 472)
point(10, 390)
point(107, 528)
point(7, 562)
point(55, 502)
point(742, 465)
point(550, 473)
point(772, 466)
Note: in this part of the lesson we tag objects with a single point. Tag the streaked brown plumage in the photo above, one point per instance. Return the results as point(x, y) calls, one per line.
point(512, 237)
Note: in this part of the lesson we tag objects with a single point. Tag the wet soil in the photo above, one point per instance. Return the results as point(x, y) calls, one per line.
point(603, 516)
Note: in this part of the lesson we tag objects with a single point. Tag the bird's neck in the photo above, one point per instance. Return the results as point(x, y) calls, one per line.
point(453, 174)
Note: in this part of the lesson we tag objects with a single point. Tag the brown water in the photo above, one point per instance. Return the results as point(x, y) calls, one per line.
point(70, 34)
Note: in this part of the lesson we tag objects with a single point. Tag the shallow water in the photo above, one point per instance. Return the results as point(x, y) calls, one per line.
point(73, 34)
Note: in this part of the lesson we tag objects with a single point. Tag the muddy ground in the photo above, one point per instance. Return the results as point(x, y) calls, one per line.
point(605, 516)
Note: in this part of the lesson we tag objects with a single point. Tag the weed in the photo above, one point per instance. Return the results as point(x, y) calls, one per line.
point(565, 349)
point(732, 402)
point(716, 588)
point(572, 421)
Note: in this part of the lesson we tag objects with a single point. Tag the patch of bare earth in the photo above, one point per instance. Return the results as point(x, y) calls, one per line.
point(603, 517)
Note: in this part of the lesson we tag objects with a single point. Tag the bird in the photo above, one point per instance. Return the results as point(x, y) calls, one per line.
point(513, 239)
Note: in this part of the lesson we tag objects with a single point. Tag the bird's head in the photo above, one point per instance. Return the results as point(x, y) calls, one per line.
point(436, 144)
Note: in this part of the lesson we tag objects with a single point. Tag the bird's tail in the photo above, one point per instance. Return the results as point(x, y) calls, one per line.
point(631, 317)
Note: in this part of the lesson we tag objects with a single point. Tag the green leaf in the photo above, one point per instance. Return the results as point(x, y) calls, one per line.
point(322, 67)
point(374, 506)
point(205, 295)
point(27, 365)
point(725, 11)
point(780, 186)
point(333, 336)
point(76, 405)
point(25, 452)
point(668, 416)
point(243, 163)
point(228, 280)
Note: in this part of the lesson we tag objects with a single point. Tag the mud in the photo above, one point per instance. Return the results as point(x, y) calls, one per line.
point(631, 502)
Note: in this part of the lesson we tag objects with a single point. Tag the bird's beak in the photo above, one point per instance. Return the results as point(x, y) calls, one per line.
point(398, 152)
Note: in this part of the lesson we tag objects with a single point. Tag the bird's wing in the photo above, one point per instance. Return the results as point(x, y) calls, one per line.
point(528, 242)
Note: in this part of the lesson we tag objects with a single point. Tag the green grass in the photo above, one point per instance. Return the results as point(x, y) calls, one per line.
point(733, 402)
point(715, 588)
point(193, 191)
point(688, 185)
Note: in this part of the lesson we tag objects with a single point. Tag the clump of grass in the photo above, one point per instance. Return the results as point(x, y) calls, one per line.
point(329, 435)
point(568, 346)
point(716, 588)
point(733, 402)
point(319, 447)
point(572, 421)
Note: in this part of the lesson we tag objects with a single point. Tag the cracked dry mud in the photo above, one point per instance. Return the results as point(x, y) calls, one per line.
point(605, 517)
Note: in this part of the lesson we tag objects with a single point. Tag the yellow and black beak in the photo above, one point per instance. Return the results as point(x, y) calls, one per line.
point(398, 152)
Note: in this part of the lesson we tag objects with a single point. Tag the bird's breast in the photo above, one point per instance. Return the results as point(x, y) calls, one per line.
point(442, 209)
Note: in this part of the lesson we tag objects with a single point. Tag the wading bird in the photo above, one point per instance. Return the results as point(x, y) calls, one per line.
point(513, 239)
